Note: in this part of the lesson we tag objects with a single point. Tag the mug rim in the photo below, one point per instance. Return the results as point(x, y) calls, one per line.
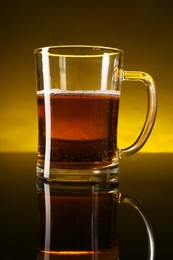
point(109, 51)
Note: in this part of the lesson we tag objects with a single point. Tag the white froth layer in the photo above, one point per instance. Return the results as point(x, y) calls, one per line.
point(56, 91)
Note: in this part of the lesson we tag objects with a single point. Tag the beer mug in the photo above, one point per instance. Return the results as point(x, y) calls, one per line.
point(78, 92)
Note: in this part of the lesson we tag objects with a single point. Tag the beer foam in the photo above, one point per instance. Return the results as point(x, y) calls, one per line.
point(55, 91)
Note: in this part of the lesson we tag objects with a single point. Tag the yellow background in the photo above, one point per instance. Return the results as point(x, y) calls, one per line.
point(143, 29)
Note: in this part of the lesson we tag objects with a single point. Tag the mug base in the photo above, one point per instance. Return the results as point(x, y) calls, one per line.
point(108, 175)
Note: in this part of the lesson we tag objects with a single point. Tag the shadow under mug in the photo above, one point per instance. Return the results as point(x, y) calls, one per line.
point(79, 221)
point(78, 93)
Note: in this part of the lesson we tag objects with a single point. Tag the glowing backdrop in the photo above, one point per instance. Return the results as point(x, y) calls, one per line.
point(143, 29)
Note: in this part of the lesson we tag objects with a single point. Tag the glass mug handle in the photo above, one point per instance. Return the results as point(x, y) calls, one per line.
point(151, 112)
point(124, 198)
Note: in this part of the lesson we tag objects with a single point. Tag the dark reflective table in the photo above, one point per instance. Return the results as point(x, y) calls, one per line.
point(148, 177)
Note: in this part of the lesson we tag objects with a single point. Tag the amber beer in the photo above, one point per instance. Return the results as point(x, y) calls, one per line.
point(83, 127)
point(79, 225)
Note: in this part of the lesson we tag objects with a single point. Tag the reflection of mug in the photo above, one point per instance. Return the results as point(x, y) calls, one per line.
point(79, 221)
point(78, 90)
